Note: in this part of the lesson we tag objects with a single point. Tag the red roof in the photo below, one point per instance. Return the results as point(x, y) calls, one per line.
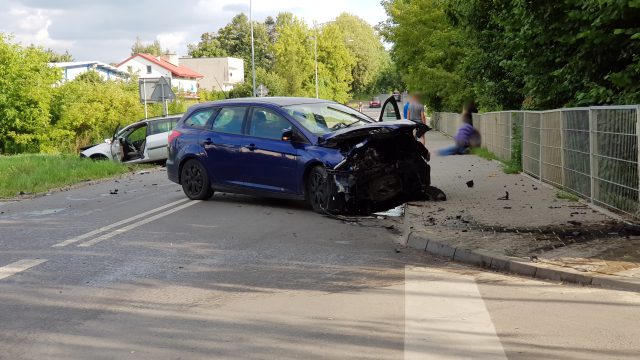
point(179, 71)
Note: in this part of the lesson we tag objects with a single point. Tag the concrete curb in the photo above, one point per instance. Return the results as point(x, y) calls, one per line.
point(512, 265)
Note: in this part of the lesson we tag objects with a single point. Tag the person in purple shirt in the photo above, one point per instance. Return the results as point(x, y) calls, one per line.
point(466, 137)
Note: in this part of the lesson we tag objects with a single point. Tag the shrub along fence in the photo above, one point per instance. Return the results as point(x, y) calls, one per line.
point(591, 152)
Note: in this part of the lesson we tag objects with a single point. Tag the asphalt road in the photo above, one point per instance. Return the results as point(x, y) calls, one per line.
point(146, 274)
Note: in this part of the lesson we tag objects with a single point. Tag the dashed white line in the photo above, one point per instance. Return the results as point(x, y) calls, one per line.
point(19, 266)
point(115, 225)
point(446, 318)
point(136, 224)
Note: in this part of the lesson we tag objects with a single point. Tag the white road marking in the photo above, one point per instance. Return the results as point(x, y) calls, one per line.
point(19, 266)
point(446, 318)
point(115, 225)
point(136, 224)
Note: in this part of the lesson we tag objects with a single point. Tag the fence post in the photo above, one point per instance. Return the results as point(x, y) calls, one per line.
point(592, 140)
point(540, 147)
point(562, 115)
point(638, 145)
point(522, 140)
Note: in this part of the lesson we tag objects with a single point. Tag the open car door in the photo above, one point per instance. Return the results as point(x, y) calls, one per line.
point(116, 150)
point(389, 110)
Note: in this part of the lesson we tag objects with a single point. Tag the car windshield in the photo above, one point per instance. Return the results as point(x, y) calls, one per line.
point(324, 118)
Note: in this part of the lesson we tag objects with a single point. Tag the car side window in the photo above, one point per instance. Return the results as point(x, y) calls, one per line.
point(268, 124)
point(138, 134)
point(229, 120)
point(160, 126)
point(199, 118)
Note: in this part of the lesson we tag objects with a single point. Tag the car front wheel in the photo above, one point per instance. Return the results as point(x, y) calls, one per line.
point(318, 189)
point(195, 182)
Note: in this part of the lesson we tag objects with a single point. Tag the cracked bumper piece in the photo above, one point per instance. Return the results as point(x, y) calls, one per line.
point(377, 190)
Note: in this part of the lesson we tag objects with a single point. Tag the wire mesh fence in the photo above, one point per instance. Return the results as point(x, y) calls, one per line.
point(590, 152)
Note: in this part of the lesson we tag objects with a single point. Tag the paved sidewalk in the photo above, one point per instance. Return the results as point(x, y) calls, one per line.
point(532, 226)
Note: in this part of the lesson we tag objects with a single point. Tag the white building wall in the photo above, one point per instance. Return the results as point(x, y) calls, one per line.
point(138, 66)
point(236, 70)
point(219, 73)
point(186, 85)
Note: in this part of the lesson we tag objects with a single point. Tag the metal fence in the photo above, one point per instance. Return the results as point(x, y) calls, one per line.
point(590, 152)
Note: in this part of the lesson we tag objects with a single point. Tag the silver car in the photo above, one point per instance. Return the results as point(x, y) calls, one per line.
point(140, 142)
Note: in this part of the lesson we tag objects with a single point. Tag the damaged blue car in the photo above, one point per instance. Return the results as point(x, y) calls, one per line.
point(337, 159)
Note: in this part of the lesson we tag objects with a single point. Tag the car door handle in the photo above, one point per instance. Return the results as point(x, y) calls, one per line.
point(207, 141)
point(251, 147)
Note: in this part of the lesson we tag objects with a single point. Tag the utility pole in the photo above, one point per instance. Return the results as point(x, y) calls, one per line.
point(315, 51)
point(253, 54)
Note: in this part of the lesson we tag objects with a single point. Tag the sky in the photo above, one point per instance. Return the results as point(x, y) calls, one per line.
point(105, 30)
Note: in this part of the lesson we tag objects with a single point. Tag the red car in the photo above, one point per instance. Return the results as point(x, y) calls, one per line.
point(374, 103)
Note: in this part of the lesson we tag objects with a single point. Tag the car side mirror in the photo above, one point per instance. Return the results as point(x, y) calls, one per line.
point(287, 135)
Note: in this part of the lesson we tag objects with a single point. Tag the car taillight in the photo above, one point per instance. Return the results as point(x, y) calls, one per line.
point(173, 135)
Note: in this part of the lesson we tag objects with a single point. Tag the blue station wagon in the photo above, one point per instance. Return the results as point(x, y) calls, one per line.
point(337, 159)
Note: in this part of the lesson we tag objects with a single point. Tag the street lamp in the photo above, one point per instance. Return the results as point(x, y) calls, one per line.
point(253, 54)
point(315, 49)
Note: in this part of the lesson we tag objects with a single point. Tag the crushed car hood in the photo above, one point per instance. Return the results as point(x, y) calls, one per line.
point(371, 130)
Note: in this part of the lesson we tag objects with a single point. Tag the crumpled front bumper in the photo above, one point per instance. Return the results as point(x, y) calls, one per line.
point(363, 193)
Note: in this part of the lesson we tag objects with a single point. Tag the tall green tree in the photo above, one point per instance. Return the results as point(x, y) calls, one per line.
point(366, 46)
point(209, 46)
point(429, 51)
point(234, 39)
point(294, 61)
point(26, 87)
point(335, 64)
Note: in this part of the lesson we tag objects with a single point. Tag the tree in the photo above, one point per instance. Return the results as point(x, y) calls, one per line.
point(513, 54)
point(56, 57)
point(335, 64)
point(87, 109)
point(365, 44)
point(209, 46)
point(234, 39)
point(141, 48)
point(91, 77)
point(273, 82)
point(390, 79)
point(293, 52)
point(429, 51)
point(26, 87)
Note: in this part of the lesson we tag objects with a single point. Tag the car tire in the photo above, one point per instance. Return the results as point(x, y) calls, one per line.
point(317, 189)
point(195, 181)
point(99, 157)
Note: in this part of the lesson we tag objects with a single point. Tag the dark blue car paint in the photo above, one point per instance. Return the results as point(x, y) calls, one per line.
point(248, 164)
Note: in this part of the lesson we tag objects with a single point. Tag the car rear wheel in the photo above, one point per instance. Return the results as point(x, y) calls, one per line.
point(195, 182)
point(317, 188)
point(99, 157)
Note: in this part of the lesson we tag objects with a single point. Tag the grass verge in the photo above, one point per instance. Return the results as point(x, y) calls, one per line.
point(35, 173)
point(509, 167)
point(566, 196)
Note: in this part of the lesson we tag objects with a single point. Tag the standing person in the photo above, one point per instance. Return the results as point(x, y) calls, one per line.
point(405, 110)
point(360, 106)
point(415, 113)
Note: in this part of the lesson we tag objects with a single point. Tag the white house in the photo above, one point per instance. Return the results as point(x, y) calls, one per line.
point(219, 73)
point(75, 68)
point(149, 66)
